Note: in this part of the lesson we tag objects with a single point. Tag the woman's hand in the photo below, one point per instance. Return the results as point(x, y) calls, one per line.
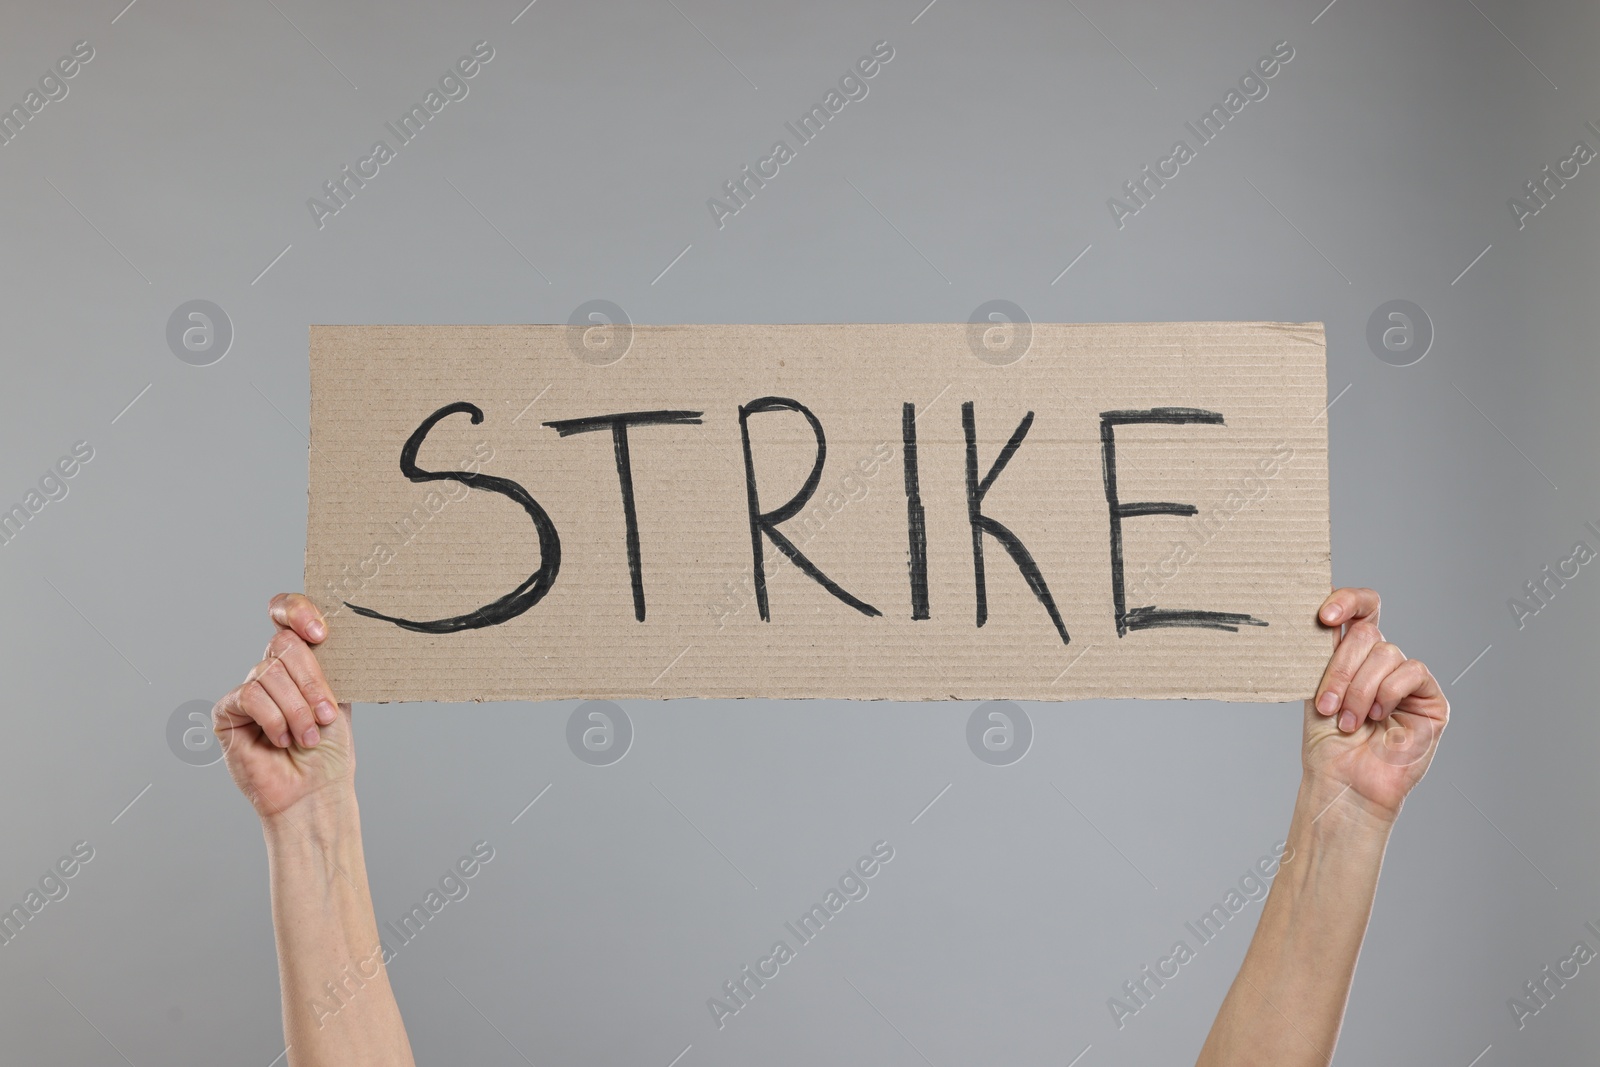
point(285, 739)
point(1375, 720)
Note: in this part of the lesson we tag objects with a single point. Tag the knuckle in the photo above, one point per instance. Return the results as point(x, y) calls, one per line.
point(282, 643)
point(249, 697)
point(1402, 680)
point(267, 715)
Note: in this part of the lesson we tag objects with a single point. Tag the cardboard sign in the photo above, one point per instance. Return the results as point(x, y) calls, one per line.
point(862, 511)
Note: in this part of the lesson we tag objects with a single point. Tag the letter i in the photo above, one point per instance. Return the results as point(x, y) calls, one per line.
point(916, 520)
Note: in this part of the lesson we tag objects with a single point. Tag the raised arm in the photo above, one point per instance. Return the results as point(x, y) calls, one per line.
point(1370, 733)
point(290, 750)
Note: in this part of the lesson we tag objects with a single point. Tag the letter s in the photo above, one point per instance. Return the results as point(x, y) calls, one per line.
point(83, 50)
point(884, 851)
point(1283, 50)
point(484, 51)
point(523, 596)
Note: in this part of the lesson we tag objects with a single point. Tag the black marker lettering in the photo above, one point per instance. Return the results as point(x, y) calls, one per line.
point(983, 524)
point(523, 596)
point(916, 520)
point(1151, 617)
point(619, 439)
point(767, 522)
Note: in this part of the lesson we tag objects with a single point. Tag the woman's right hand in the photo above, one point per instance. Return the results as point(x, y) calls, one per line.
point(285, 739)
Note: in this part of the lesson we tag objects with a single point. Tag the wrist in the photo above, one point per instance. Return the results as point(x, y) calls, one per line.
point(1327, 807)
point(327, 812)
point(317, 842)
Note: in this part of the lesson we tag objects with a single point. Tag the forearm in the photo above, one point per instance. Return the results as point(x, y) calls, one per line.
point(338, 1009)
point(1287, 1003)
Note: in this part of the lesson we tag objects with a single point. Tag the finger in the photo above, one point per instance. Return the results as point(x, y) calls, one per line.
point(1361, 698)
point(1413, 679)
point(1348, 605)
point(296, 712)
point(301, 662)
point(1352, 649)
point(254, 702)
point(227, 714)
point(1357, 610)
point(296, 612)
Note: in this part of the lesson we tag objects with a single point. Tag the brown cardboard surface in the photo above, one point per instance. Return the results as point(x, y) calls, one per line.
point(444, 547)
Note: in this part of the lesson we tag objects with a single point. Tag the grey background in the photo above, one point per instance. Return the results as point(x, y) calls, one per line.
point(178, 167)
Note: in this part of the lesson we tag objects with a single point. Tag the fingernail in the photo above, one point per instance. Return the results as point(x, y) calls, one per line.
point(1376, 712)
point(1327, 702)
point(1331, 612)
point(1347, 721)
point(310, 737)
point(283, 739)
point(317, 631)
point(325, 713)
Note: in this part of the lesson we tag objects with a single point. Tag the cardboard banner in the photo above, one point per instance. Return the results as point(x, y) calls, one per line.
point(912, 512)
